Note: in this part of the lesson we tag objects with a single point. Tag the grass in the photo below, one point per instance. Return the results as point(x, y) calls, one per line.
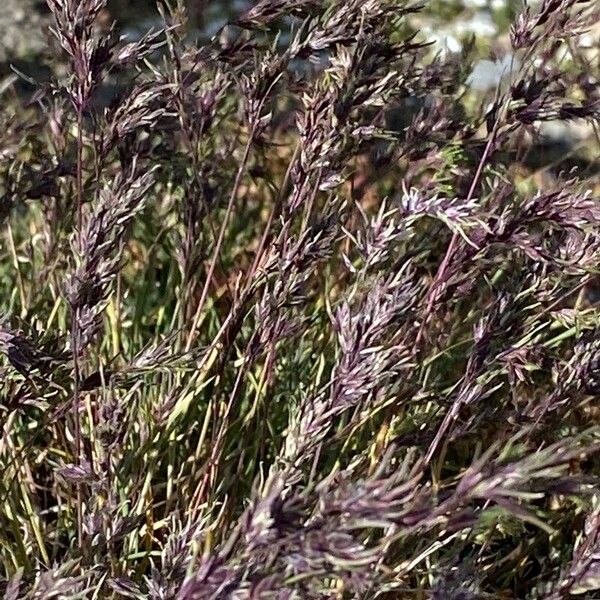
point(294, 316)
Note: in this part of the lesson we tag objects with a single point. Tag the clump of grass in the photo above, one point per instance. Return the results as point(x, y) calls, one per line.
point(262, 342)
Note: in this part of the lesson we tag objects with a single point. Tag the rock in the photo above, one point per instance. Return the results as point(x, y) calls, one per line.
point(488, 74)
point(21, 29)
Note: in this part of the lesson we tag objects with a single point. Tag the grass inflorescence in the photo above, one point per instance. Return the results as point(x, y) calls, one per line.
point(296, 313)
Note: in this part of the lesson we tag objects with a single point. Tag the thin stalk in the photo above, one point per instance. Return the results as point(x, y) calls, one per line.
point(13, 251)
point(272, 214)
point(221, 237)
point(217, 251)
point(75, 327)
point(452, 246)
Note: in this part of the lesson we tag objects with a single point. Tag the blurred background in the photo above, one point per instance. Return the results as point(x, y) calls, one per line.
point(450, 20)
point(21, 21)
point(450, 25)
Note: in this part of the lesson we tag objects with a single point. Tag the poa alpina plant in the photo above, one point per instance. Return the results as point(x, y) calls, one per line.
point(261, 342)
